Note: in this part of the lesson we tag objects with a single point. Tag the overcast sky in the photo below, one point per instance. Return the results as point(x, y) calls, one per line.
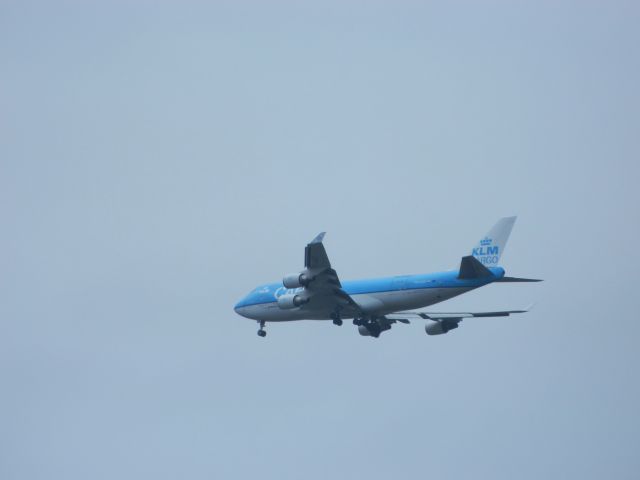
point(160, 159)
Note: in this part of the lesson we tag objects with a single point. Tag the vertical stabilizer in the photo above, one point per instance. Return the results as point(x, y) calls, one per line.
point(489, 249)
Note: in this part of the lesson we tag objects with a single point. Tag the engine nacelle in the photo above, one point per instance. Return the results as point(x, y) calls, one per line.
point(373, 329)
point(296, 280)
point(434, 327)
point(286, 302)
point(364, 331)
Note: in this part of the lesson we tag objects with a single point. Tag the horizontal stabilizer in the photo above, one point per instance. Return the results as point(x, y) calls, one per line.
point(470, 268)
point(516, 279)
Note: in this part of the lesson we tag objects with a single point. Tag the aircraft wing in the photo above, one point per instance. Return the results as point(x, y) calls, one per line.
point(455, 316)
point(325, 291)
point(315, 256)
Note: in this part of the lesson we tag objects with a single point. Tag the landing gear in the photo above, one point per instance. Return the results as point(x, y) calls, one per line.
point(336, 319)
point(262, 332)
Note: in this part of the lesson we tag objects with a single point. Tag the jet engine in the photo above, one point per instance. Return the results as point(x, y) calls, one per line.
point(295, 280)
point(373, 329)
point(286, 302)
point(366, 332)
point(439, 327)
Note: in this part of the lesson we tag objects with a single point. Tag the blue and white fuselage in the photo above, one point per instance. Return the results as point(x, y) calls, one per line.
point(379, 296)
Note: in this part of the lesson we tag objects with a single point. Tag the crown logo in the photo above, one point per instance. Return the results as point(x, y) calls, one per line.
point(485, 241)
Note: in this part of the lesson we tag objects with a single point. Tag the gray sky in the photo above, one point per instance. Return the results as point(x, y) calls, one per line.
point(158, 160)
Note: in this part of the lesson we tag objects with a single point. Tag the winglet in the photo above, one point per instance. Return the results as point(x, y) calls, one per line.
point(318, 238)
point(526, 309)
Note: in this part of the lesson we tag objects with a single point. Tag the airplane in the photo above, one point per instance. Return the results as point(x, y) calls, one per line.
point(316, 292)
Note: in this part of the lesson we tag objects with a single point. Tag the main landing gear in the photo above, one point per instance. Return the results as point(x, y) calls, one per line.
point(336, 319)
point(262, 332)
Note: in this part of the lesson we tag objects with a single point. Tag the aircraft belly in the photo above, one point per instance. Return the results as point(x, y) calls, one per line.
point(415, 298)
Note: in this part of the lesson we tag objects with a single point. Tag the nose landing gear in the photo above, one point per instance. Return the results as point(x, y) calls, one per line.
point(262, 332)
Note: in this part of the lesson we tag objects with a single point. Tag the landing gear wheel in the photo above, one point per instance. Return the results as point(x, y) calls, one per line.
point(337, 321)
point(262, 332)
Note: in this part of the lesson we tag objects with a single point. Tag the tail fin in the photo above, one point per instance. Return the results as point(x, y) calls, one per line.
point(489, 249)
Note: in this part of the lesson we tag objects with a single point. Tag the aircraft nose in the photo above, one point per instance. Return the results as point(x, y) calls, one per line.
point(238, 308)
